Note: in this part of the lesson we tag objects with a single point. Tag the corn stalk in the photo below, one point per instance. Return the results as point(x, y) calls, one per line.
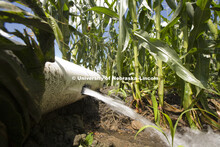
point(187, 94)
point(159, 62)
point(136, 62)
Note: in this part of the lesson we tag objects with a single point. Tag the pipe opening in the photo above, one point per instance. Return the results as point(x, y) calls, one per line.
point(85, 86)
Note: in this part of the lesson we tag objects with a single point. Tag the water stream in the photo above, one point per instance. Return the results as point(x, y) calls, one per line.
point(189, 139)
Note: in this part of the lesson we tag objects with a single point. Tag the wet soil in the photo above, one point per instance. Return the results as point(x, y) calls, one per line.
point(70, 125)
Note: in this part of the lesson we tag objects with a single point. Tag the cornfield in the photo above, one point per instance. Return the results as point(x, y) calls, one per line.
point(177, 41)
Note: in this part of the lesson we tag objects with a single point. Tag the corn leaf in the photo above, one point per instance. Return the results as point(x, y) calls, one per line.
point(145, 4)
point(213, 29)
point(171, 126)
point(163, 52)
point(7, 44)
point(123, 36)
point(16, 15)
point(201, 16)
point(6, 6)
point(57, 32)
point(202, 67)
point(103, 10)
point(171, 4)
point(190, 10)
point(155, 107)
point(174, 19)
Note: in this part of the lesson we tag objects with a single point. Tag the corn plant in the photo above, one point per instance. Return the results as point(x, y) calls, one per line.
point(175, 44)
point(127, 38)
point(22, 65)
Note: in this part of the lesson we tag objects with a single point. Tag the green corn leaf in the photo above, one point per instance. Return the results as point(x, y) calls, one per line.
point(187, 103)
point(203, 3)
point(171, 4)
point(103, 10)
point(174, 19)
point(145, 4)
point(210, 119)
point(201, 16)
point(123, 36)
point(163, 52)
point(57, 32)
point(112, 4)
point(7, 44)
point(11, 13)
point(171, 23)
point(213, 29)
point(216, 8)
point(171, 126)
point(180, 117)
point(195, 109)
point(190, 10)
point(155, 107)
point(6, 6)
point(202, 69)
point(191, 51)
point(65, 7)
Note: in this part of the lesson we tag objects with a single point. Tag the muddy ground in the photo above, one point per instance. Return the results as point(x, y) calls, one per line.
point(70, 125)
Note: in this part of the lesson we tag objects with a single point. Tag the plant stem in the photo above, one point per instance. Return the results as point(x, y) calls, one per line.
point(159, 62)
point(109, 71)
point(187, 96)
point(135, 43)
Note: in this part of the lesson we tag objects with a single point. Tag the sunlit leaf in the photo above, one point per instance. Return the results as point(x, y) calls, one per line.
point(6, 6)
point(213, 29)
point(89, 139)
point(169, 56)
point(57, 32)
point(65, 7)
point(145, 4)
point(174, 18)
point(103, 10)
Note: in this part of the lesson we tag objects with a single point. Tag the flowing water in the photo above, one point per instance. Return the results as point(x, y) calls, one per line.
point(189, 139)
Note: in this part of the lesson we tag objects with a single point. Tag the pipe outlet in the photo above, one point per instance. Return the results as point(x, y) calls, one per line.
point(64, 82)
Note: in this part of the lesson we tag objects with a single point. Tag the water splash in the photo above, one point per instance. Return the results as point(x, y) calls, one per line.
point(195, 138)
point(189, 139)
